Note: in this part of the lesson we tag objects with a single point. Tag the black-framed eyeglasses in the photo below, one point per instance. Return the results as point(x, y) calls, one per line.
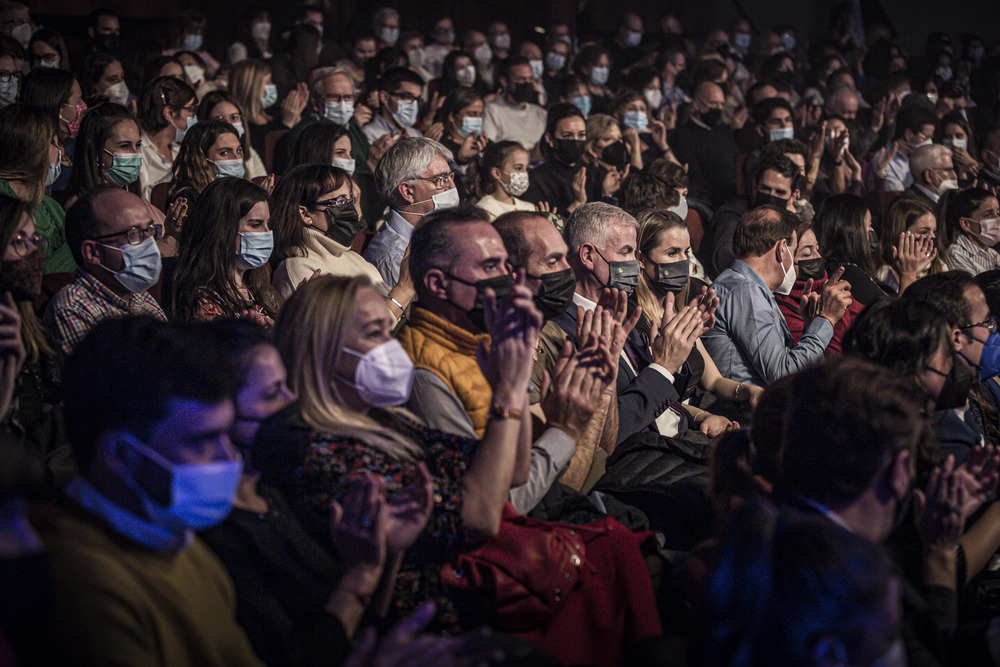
point(135, 235)
point(406, 97)
point(337, 99)
point(5, 77)
point(439, 181)
point(342, 200)
point(989, 324)
point(24, 245)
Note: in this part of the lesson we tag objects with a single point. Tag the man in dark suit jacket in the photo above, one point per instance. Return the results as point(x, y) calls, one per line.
point(931, 167)
point(602, 244)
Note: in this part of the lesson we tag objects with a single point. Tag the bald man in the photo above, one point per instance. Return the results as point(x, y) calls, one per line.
point(708, 147)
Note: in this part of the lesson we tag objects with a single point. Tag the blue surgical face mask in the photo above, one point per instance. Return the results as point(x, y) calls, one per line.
point(989, 362)
point(554, 61)
point(637, 120)
point(125, 167)
point(8, 91)
point(192, 42)
point(190, 121)
point(583, 104)
point(471, 125)
point(406, 113)
point(142, 265)
point(255, 249)
point(741, 40)
point(270, 96)
point(201, 495)
point(783, 133)
point(234, 167)
point(54, 171)
point(599, 76)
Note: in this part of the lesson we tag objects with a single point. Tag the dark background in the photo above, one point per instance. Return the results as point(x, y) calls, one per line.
point(151, 19)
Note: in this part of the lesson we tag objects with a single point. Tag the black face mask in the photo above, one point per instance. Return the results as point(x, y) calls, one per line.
point(711, 117)
point(873, 241)
point(524, 92)
point(343, 224)
point(622, 275)
point(671, 277)
point(556, 293)
point(568, 151)
point(764, 199)
point(615, 154)
point(812, 268)
point(501, 285)
point(108, 43)
point(957, 384)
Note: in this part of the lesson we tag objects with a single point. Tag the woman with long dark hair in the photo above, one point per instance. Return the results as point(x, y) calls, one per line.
point(211, 150)
point(222, 269)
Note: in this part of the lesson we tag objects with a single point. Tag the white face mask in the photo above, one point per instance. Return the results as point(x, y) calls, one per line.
point(537, 68)
point(782, 133)
point(466, 76)
point(654, 98)
point(338, 112)
point(956, 143)
point(195, 74)
point(345, 164)
point(118, 93)
point(947, 184)
point(22, 34)
point(682, 208)
point(389, 35)
point(442, 200)
point(789, 281)
point(483, 54)
point(261, 31)
point(384, 376)
point(406, 113)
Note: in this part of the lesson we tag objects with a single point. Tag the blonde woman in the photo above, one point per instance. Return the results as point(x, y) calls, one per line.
point(664, 249)
point(251, 85)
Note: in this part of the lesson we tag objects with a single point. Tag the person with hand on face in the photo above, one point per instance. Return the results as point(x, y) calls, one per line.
point(642, 131)
point(113, 238)
point(221, 105)
point(561, 181)
point(915, 127)
point(250, 82)
point(911, 245)
point(933, 174)
point(167, 109)
point(414, 177)
point(609, 157)
point(316, 215)
point(133, 582)
point(515, 115)
point(708, 147)
point(222, 268)
point(460, 124)
point(211, 150)
point(956, 133)
point(30, 162)
point(972, 221)
point(503, 177)
point(399, 92)
point(311, 603)
point(750, 342)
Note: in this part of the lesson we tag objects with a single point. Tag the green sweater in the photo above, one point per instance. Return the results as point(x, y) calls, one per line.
point(118, 603)
point(50, 222)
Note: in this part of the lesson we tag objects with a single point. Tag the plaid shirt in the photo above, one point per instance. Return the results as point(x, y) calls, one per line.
point(84, 302)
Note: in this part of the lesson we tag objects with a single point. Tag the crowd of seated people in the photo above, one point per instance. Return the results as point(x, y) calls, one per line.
point(403, 344)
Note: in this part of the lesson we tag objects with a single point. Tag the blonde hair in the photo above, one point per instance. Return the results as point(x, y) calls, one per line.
point(246, 79)
point(309, 334)
point(598, 127)
point(652, 225)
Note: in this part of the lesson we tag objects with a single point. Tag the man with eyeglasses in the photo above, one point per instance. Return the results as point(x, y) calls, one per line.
point(414, 177)
point(114, 241)
point(399, 93)
point(933, 174)
point(15, 21)
point(961, 428)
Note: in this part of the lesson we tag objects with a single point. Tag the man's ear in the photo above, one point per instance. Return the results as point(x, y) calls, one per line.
point(760, 130)
point(90, 252)
point(588, 256)
point(899, 473)
point(548, 140)
point(406, 192)
point(794, 197)
point(957, 340)
point(436, 283)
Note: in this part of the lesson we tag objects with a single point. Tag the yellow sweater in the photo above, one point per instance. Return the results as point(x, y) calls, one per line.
point(449, 351)
point(118, 603)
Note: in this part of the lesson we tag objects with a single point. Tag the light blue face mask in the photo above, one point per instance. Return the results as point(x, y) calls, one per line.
point(235, 168)
point(54, 171)
point(338, 112)
point(637, 120)
point(406, 113)
point(125, 167)
point(783, 133)
point(255, 249)
point(192, 42)
point(599, 76)
point(142, 265)
point(270, 96)
point(182, 133)
point(471, 125)
point(554, 61)
point(583, 104)
point(239, 129)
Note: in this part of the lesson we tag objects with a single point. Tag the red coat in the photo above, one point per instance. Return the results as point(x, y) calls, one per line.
point(789, 306)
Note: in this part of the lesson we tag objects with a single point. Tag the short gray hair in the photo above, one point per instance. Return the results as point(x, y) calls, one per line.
point(591, 223)
point(405, 161)
point(926, 157)
point(381, 14)
point(834, 95)
point(316, 88)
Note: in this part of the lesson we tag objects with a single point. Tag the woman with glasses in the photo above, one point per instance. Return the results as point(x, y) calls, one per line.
point(166, 112)
point(316, 216)
point(221, 105)
point(34, 416)
point(972, 221)
point(222, 270)
point(30, 161)
point(47, 49)
point(11, 64)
